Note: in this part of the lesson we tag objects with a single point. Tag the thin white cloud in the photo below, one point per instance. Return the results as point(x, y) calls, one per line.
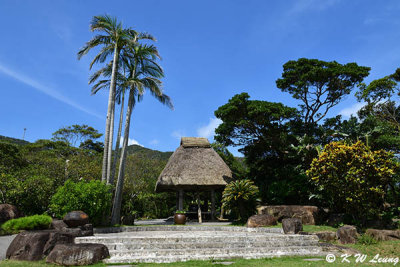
point(208, 130)
point(352, 110)
point(45, 89)
point(154, 142)
point(131, 141)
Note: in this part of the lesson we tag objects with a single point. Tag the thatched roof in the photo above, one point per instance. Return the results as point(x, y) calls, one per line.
point(194, 166)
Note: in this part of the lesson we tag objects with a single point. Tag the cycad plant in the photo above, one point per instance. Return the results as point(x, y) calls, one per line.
point(241, 197)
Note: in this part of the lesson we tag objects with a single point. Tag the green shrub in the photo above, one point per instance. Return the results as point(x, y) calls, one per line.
point(366, 240)
point(353, 178)
point(241, 198)
point(94, 198)
point(35, 222)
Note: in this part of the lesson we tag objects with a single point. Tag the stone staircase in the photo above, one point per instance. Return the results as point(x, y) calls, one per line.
point(183, 243)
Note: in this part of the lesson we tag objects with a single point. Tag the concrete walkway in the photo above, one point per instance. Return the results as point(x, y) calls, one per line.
point(4, 243)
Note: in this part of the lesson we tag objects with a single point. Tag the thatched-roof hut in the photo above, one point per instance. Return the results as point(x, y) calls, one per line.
point(194, 166)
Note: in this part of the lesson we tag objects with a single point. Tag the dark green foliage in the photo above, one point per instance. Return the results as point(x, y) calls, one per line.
point(147, 153)
point(241, 198)
point(237, 165)
point(39, 169)
point(142, 171)
point(30, 194)
point(10, 157)
point(320, 85)
point(93, 197)
point(266, 133)
point(91, 145)
point(30, 175)
point(35, 222)
point(16, 141)
point(76, 133)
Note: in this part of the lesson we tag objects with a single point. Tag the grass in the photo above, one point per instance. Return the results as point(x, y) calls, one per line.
point(311, 228)
point(385, 249)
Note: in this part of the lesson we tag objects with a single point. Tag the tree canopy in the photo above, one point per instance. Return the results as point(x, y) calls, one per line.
point(320, 85)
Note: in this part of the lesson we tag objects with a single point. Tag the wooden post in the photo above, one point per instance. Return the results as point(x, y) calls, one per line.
point(180, 204)
point(199, 208)
point(212, 205)
point(177, 201)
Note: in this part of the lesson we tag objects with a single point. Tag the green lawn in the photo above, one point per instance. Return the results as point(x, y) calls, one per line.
point(311, 228)
point(385, 249)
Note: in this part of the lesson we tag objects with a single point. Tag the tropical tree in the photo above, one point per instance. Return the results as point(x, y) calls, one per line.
point(113, 40)
point(76, 133)
point(320, 85)
point(144, 74)
point(120, 96)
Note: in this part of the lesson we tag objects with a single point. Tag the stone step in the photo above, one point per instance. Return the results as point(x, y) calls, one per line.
point(172, 246)
point(197, 245)
point(195, 239)
point(187, 228)
point(312, 251)
point(211, 251)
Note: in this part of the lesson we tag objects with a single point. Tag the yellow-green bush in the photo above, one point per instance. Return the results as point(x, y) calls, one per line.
point(35, 222)
point(353, 178)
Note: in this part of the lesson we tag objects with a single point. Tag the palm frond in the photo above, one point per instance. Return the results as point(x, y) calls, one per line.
point(95, 41)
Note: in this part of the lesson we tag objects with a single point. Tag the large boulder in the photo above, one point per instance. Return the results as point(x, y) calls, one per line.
point(384, 235)
point(261, 220)
point(76, 218)
point(326, 236)
point(84, 230)
point(307, 214)
point(347, 234)
point(8, 212)
point(77, 254)
point(35, 245)
point(292, 225)
point(59, 225)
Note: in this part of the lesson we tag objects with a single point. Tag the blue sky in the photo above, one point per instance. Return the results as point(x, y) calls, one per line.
point(211, 51)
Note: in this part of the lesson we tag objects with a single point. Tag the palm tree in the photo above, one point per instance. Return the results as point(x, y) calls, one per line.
point(144, 74)
point(113, 41)
point(120, 95)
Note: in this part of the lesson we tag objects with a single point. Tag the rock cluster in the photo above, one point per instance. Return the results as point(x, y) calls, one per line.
point(384, 235)
point(58, 244)
point(307, 214)
point(35, 245)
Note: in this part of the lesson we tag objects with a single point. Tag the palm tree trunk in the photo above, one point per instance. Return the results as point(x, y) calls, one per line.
point(110, 145)
point(117, 150)
point(111, 101)
point(116, 210)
